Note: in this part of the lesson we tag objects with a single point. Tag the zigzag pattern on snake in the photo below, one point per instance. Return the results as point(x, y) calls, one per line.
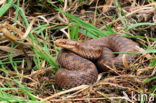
point(77, 58)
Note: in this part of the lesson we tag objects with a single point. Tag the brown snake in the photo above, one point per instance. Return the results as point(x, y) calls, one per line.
point(77, 58)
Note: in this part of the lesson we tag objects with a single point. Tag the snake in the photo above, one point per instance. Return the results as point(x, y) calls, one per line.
point(81, 61)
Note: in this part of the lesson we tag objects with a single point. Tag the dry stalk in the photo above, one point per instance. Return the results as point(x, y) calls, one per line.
point(133, 12)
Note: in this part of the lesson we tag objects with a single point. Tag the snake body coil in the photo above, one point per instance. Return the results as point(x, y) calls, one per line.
point(77, 58)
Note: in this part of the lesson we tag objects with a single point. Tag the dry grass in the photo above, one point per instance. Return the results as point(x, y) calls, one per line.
point(28, 52)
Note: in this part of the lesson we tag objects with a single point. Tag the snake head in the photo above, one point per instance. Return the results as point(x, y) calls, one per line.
point(66, 43)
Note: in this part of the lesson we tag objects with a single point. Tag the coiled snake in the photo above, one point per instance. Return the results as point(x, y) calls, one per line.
point(81, 60)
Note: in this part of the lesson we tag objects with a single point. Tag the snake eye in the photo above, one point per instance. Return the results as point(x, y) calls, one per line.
point(63, 42)
point(75, 44)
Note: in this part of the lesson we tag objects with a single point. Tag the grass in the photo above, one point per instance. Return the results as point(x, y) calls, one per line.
point(5, 7)
point(18, 86)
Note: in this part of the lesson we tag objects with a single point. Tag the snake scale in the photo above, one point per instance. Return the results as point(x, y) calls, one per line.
point(80, 60)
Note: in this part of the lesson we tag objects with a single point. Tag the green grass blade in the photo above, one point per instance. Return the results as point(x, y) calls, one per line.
point(26, 90)
point(5, 7)
point(152, 89)
point(90, 28)
point(86, 33)
point(109, 28)
point(11, 59)
point(142, 37)
point(119, 15)
point(139, 24)
point(153, 63)
point(149, 80)
point(74, 34)
point(22, 14)
point(42, 50)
